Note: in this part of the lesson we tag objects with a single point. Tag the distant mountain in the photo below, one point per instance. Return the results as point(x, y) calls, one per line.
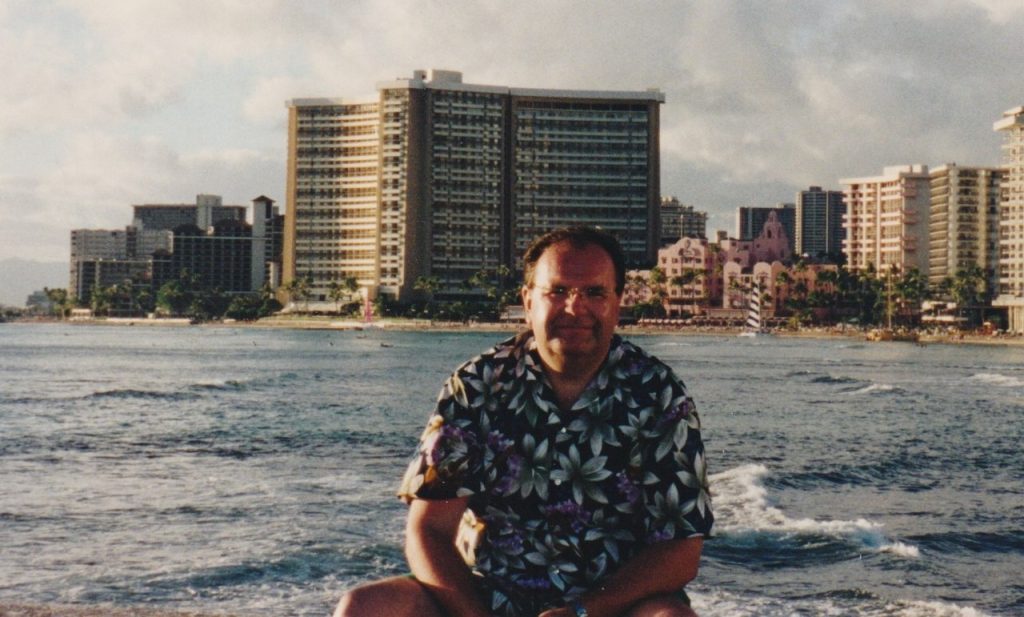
point(20, 277)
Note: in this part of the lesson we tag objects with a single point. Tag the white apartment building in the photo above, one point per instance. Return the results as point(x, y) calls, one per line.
point(1011, 220)
point(92, 244)
point(436, 177)
point(886, 219)
point(964, 222)
point(98, 255)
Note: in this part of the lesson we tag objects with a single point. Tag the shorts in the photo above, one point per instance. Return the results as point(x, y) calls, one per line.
point(679, 595)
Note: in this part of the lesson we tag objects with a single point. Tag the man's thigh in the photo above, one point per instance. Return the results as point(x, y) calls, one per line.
point(667, 605)
point(401, 596)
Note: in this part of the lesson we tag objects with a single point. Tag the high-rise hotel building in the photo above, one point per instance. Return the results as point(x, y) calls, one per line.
point(1011, 220)
point(819, 222)
point(679, 220)
point(964, 222)
point(436, 177)
point(887, 220)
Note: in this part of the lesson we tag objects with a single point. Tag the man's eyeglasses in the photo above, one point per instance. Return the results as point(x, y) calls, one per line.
point(561, 293)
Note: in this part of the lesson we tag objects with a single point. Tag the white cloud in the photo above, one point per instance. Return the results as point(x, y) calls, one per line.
point(101, 176)
point(762, 98)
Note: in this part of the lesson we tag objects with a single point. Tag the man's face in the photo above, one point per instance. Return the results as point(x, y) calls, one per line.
point(572, 306)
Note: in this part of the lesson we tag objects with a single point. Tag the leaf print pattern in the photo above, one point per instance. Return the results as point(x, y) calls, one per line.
point(562, 498)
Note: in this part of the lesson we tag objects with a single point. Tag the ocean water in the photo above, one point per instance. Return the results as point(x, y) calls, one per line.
point(252, 471)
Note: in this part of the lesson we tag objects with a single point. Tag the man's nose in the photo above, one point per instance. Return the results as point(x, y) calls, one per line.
point(575, 302)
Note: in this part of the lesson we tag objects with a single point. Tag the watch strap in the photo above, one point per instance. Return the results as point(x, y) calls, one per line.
point(578, 608)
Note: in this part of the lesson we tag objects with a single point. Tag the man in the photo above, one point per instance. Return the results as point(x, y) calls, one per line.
point(562, 473)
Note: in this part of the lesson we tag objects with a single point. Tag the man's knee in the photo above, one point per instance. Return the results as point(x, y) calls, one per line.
point(393, 596)
point(661, 606)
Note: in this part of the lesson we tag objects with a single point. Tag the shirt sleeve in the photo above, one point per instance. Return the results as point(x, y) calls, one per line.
point(676, 495)
point(448, 459)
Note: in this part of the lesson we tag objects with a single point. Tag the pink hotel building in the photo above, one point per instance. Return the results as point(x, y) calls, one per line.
point(700, 275)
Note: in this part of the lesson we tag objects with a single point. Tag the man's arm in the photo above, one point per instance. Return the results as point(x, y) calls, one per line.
point(660, 568)
point(435, 562)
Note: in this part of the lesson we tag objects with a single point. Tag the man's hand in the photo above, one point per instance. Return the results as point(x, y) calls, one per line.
point(659, 569)
point(430, 549)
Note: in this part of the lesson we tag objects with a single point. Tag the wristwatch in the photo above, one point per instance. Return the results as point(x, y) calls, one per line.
point(578, 608)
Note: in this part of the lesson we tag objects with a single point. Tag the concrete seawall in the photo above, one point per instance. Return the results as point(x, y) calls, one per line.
point(99, 610)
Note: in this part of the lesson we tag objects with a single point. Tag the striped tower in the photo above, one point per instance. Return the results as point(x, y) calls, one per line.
point(754, 312)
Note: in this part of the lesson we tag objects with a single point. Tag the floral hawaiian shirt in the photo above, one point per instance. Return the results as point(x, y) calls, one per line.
point(558, 500)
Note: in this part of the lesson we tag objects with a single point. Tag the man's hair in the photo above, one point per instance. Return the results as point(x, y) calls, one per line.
point(579, 238)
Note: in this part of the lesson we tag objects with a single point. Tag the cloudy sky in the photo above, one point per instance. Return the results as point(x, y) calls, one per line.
point(106, 103)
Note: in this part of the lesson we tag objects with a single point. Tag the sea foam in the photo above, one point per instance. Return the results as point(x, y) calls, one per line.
point(875, 387)
point(931, 609)
point(741, 506)
point(995, 379)
point(721, 603)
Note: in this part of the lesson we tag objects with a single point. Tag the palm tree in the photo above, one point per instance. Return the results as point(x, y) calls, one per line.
point(61, 300)
point(351, 285)
point(828, 279)
point(782, 280)
point(634, 284)
point(336, 290)
point(429, 286)
point(911, 289)
point(657, 282)
point(968, 287)
point(684, 280)
point(827, 294)
point(737, 288)
point(299, 290)
point(100, 299)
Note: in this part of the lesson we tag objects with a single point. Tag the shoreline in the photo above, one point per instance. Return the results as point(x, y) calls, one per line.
point(423, 325)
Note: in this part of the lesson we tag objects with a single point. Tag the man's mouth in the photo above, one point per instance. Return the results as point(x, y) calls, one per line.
point(574, 327)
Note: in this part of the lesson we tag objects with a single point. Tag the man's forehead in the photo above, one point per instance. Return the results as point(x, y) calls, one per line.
point(566, 247)
point(567, 260)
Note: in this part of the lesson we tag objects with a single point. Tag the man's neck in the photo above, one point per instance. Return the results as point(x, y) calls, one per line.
point(569, 382)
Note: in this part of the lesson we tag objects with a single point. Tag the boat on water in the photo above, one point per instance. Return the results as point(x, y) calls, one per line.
point(754, 327)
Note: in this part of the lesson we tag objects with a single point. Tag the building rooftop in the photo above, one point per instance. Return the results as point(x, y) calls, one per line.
point(436, 79)
point(1011, 117)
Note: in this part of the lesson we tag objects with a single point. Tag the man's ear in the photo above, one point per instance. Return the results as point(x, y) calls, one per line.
point(524, 293)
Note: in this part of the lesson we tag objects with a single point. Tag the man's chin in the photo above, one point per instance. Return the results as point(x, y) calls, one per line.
point(575, 343)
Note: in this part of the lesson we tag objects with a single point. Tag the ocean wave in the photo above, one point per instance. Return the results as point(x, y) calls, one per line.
point(719, 603)
point(910, 469)
point(220, 384)
point(851, 603)
point(742, 507)
point(901, 550)
point(995, 379)
point(976, 542)
point(875, 387)
point(829, 379)
point(190, 391)
point(300, 567)
point(931, 609)
point(133, 393)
